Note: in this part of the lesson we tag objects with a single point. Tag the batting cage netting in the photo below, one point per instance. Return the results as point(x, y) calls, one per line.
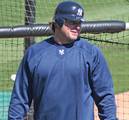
point(18, 14)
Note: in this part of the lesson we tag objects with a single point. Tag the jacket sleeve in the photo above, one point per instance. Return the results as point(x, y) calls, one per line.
point(102, 85)
point(22, 92)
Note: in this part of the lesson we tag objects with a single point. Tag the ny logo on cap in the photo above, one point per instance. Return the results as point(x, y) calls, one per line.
point(79, 12)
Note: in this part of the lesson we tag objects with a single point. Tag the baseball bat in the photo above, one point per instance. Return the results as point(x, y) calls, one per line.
point(95, 27)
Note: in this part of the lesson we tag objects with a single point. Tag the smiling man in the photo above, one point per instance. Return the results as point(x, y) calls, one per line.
point(64, 75)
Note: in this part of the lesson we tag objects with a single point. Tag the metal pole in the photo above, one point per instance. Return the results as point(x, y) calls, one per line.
point(29, 20)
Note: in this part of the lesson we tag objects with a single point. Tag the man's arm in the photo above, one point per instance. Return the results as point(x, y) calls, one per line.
point(102, 85)
point(21, 95)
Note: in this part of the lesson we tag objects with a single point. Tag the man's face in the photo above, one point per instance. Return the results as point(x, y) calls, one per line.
point(70, 30)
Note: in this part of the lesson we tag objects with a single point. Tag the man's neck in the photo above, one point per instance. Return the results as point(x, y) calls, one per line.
point(61, 40)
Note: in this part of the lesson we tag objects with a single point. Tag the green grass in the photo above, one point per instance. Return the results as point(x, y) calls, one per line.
point(118, 59)
point(11, 51)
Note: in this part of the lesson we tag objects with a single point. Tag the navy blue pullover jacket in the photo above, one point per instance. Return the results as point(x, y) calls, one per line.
point(64, 81)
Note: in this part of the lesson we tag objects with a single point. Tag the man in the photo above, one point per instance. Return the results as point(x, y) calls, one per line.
point(63, 74)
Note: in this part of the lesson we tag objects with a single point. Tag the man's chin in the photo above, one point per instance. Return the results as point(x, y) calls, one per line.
point(74, 38)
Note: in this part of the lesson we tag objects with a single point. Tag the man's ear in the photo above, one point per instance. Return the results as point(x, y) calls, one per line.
point(53, 25)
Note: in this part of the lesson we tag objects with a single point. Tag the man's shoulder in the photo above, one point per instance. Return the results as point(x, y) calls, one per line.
point(38, 48)
point(88, 47)
point(84, 44)
point(41, 45)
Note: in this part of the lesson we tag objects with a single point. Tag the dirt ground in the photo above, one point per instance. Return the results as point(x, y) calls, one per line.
point(122, 101)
